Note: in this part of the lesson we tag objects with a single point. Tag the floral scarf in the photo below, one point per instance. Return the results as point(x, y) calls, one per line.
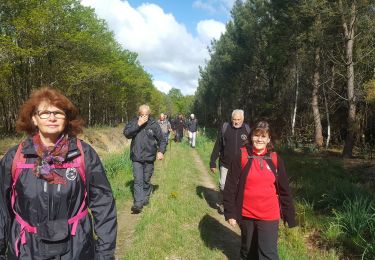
point(48, 156)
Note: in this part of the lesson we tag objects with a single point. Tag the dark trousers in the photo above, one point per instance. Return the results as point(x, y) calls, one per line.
point(166, 136)
point(142, 172)
point(259, 239)
point(179, 135)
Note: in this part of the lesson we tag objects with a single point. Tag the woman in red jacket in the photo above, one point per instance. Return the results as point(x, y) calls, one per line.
point(257, 195)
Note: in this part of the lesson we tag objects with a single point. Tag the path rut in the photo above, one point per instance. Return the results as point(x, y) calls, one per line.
point(225, 237)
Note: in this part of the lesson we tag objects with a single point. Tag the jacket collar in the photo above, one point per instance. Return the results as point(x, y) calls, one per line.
point(28, 147)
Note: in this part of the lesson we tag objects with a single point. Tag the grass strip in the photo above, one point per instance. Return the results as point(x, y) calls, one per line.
point(172, 226)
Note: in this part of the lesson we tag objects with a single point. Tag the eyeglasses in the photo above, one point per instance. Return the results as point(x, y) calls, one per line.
point(260, 137)
point(45, 114)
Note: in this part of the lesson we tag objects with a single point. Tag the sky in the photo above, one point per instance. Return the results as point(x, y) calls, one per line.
point(171, 37)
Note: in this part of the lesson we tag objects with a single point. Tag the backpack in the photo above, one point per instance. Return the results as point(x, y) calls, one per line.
point(225, 127)
point(18, 164)
point(270, 158)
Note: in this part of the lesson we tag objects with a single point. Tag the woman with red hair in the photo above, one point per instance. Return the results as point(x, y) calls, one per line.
point(49, 183)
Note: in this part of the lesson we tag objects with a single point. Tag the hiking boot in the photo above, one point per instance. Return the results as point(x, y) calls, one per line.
point(136, 209)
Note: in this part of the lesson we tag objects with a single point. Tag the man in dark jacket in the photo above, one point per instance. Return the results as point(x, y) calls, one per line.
point(192, 127)
point(179, 127)
point(227, 147)
point(148, 143)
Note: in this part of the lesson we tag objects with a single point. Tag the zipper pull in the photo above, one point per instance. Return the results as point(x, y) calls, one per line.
point(45, 186)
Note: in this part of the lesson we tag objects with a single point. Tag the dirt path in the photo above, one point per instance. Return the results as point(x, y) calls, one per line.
point(126, 222)
point(226, 238)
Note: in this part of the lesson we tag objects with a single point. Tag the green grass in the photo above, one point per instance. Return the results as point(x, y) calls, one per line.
point(118, 168)
point(343, 210)
point(174, 225)
point(204, 146)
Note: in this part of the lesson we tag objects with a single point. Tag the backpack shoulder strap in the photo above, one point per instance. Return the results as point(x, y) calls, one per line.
point(272, 162)
point(246, 160)
point(82, 212)
point(223, 130)
point(247, 127)
point(17, 159)
point(81, 161)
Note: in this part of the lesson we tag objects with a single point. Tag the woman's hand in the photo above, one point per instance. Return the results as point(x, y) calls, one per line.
point(232, 222)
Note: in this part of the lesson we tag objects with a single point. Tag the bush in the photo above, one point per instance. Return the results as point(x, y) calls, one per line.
point(353, 224)
point(118, 167)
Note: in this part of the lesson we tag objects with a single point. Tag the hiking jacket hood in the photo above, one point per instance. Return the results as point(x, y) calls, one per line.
point(147, 140)
point(235, 187)
point(37, 201)
point(233, 139)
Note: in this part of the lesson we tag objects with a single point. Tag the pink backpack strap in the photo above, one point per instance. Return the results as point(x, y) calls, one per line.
point(18, 160)
point(19, 163)
point(80, 160)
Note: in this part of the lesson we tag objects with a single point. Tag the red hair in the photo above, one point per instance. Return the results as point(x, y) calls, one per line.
point(74, 124)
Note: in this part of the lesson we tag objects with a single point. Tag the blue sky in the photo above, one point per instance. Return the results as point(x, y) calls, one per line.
point(186, 13)
point(171, 37)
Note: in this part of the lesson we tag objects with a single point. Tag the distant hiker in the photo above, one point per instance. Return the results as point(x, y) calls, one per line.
point(148, 143)
point(49, 184)
point(165, 126)
point(179, 126)
point(192, 127)
point(229, 140)
point(257, 195)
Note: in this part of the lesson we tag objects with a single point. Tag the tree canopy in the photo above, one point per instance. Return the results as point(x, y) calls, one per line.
point(306, 66)
point(63, 44)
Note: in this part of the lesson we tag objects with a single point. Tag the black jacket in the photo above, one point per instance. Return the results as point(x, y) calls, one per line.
point(147, 140)
point(178, 125)
point(235, 187)
point(36, 203)
point(192, 125)
point(233, 139)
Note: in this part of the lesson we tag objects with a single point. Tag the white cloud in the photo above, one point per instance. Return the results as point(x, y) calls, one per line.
point(210, 29)
point(162, 86)
point(164, 46)
point(214, 6)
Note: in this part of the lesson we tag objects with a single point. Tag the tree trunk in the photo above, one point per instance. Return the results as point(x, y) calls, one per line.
point(327, 116)
point(314, 102)
point(219, 114)
point(327, 108)
point(89, 123)
point(296, 100)
point(349, 44)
